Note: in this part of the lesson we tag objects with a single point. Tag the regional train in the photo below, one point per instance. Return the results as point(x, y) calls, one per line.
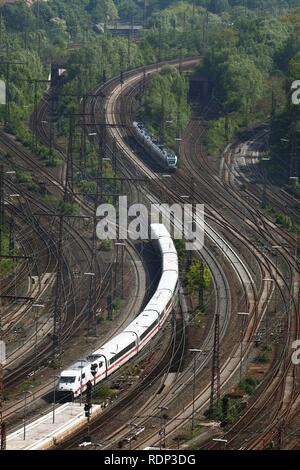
point(161, 155)
point(134, 338)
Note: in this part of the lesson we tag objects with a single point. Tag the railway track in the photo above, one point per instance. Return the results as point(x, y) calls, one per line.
point(255, 297)
point(72, 326)
point(139, 164)
point(150, 175)
point(284, 392)
point(293, 331)
point(133, 257)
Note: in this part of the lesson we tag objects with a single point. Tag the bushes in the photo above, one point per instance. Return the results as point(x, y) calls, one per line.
point(6, 265)
point(88, 187)
point(286, 222)
point(116, 303)
point(68, 208)
point(220, 132)
point(249, 385)
point(24, 177)
point(24, 136)
point(261, 359)
point(102, 392)
point(196, 321)
point(106, 245)
point(166, 100)
point(198, 275)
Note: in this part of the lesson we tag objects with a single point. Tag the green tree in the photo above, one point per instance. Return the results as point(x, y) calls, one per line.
point(198, 279)
point(165, 110)
point(243, 86)
point(18, 16)
point(102, 10)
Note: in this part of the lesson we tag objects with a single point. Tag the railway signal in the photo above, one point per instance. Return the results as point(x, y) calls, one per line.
point(243, 316)
point(88, 404)
point(87, 410)
point(162, 432)
point(215, 389)
point(94, 370)
point(55, 377)
point(195, 353)
point(269, 282)
point(26, 394)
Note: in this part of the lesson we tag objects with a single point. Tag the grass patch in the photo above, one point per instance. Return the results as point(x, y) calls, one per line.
point(103, 392)
point(25, 178)
point(6, 265)
point(51, 200)
point(116, 304)
point(197, 320)
point(27, 385)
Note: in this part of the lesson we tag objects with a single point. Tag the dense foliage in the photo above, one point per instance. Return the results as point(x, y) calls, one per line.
point(245, 71)
point(285, 135)
point(247, 48)
point(166, 97)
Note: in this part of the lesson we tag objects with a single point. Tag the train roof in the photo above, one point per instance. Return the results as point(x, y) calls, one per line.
point(168, 281)
point(153, 140)
point(153, 309)
point(142, 322)
point(170, 262)
point(118, 343)
point(159, 301)
point(167, 245)
point(158, 231)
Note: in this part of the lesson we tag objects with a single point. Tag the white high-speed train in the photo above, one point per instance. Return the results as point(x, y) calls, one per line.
point(127, 344)
point(162, 156)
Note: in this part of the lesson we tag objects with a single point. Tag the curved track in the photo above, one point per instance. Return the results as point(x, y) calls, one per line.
point(259, 225)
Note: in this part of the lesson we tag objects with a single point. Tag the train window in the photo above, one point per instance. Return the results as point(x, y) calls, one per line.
point(83, 375)
point(149, 329)
point(120, 353)
point(67, 380)
point(100, 364)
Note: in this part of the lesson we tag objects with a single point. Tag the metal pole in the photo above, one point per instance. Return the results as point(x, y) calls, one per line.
point(161, 429)
point(194, 392)
point(276, 280)
point(80, 382)
point(7, 98)
point(51, 141)
point(24, 432)
point(57, 317)
point(241, 357)
point(130, 442)
point(122, 272)
point(35, 130)
point(242, 333)
point(267, 316)
point(36, 340)
point(54, 398)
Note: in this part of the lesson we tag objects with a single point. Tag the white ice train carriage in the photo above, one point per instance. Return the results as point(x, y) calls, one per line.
point(162, 156)
point(138, 333)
